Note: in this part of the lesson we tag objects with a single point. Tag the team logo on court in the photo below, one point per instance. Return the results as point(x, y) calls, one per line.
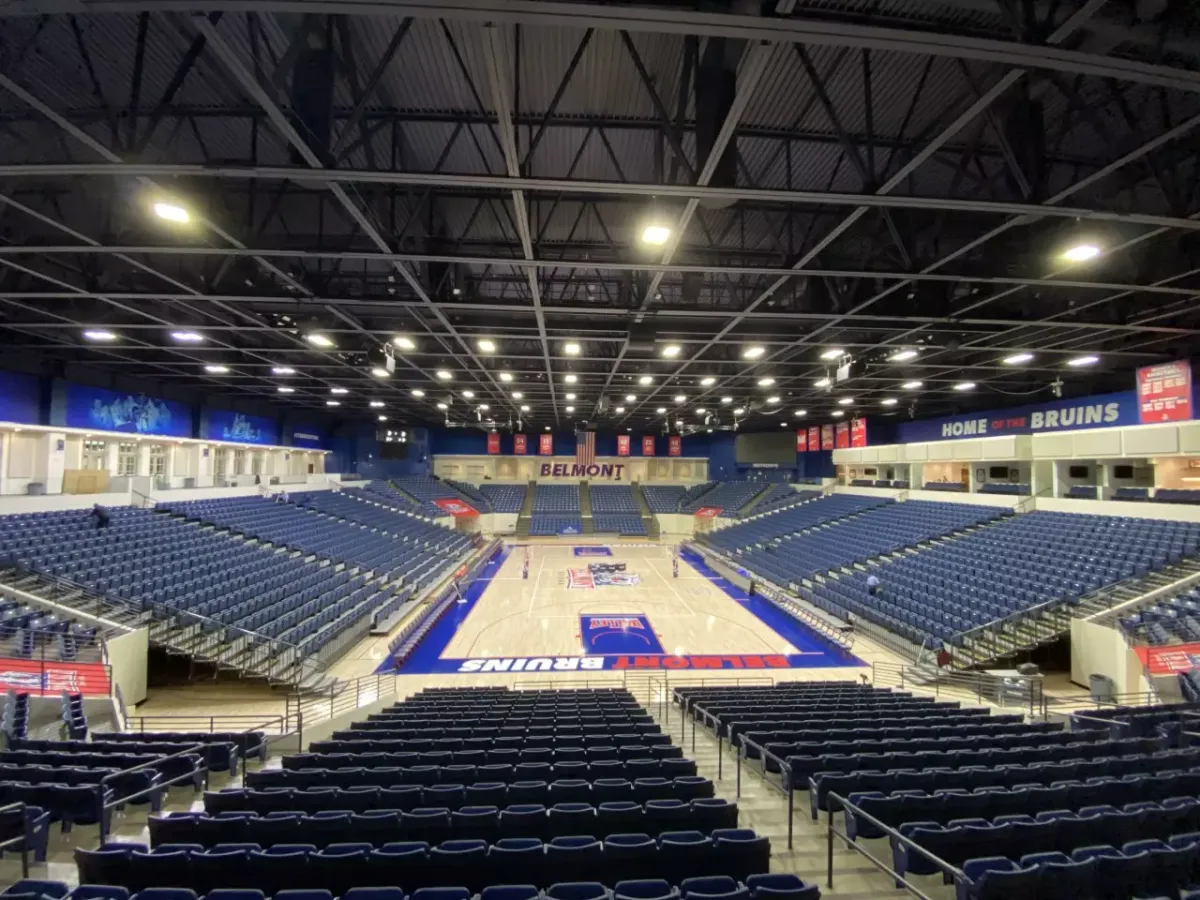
point(616, 579)
point(602, 575)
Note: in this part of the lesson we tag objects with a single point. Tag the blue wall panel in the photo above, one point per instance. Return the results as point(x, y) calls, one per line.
point(304, 434)
point(102, 409)
point(223, 425)
point(20, 397)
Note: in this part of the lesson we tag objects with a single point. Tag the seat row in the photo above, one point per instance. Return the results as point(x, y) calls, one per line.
point(389, 776)
point(940, 728)
point(218, 756)
point(631, 748)
point(844, 784)
point(826, 723)
point(559, 728)
point(674, 856)
point(249, 743)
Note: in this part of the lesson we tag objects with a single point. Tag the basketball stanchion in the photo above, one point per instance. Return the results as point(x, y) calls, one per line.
point(675, 561)
point(525, 565)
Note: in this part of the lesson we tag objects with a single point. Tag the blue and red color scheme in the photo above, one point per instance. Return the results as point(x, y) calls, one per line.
point(605, 634)
point(592, 551)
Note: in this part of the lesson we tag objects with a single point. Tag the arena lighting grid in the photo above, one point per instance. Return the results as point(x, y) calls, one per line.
point(520, 323)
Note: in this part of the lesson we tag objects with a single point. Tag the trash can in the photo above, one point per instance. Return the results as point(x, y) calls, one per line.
point(1101, 687)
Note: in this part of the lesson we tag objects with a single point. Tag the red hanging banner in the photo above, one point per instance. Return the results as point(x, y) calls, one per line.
point(674, 445)
point(858, 433)
point(622, 445)
point(1165, 392)
point(647, 445)
point(826, 437)
point(520, 444)
point(842, 441)
point(802, 441)
point(546, 444)
point(493, 443)
point(814, 439)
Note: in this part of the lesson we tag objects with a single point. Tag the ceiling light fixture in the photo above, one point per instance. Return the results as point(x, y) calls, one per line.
point(670, 351)
point(285, 390)
point(800, 413)
point(484, 407)
point(444, 375)
point(505, 377)
point(753, 352)
point(833, 353)
point(404, 343)
point(889, 401)
point(903, 355)
point(570, 379)
point(912, 385)
point(725, 401)
point(739, 411)
point(569, 397)
point(1017, 358)
point(656, 234)
point(171, 212)
point(470, 395)
point(707, 381)
point(383, 418)
point(216, 369)
point(99, 334)
point(339, 390)
point(486, 346)
point(766, 382)
point(660, 411)
point(680, 398)
point(619, 410)
point(381, 372)
point(282, 370)
point(319, 340)
point(333, 403)
point(517, 395)
point(645, 380)
point(773, 399)
point(631, 398)
point(376, 404)
point(1081, 253)
point(845, 401)
point(524, 409)
point(965, 386)
point(838, 413)
point(701, 411)
point(418, 393)
point(572, 349)
point(570, 409)
point(188, 337)
point(1080, 361)
point(822, 383)
point(442, 406)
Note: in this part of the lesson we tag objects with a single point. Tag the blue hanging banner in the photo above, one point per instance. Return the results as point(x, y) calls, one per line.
point(222, 425)
point(105, 410)
point(308, 437)
point(19, 398)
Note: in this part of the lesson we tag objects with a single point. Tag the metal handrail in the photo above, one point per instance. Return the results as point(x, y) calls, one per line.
point(984, 687)
point(230, 723)
point(24, 839)
point(194, 750)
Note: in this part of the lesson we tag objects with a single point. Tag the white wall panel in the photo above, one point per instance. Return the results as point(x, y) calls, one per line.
point(1099, 443)
point(1053, 446)
point(1148, 441)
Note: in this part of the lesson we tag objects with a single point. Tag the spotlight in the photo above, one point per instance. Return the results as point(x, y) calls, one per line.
point(1081, 253)
point(1081, 361)
point(404, 343)
point(1017, 358)
point(172, 212)
point(656, 234)
point(187, 337)
point(99, 334)
point(753, 352)
point(319, 340)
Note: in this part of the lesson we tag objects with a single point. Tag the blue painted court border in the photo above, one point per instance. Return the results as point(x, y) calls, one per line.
point(799, 635)
point(425, 658)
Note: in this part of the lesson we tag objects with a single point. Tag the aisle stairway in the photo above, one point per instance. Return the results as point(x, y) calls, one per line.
point(649, 520)
point(749, 504)
point(585, 508)
point(526, 515)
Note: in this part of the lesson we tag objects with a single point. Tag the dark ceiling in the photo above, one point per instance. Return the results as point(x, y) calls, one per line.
point(874, 176)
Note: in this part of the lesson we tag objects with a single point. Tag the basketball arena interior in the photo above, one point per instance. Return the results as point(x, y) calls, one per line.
point(578, 450)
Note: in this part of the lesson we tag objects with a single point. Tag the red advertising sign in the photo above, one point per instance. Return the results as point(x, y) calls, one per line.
point(1165, 392)
point(622, 445)
point(802, 441)
point(826, 437)
point(1167, 660)
point(842, 432)
point(674, 445)
point(858, 433)
point(647, 445)
point(520, 444)
point(493, 442)
point(708, 512)
point(456, 508)
point(814, 439)
point(52, 678)
point(546, 445)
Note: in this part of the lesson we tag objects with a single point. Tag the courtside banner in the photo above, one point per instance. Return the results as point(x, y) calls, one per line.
point(456, 508)
point(1169, 660)
point(52, 678)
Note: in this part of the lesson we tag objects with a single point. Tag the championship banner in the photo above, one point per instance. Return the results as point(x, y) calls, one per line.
point(520, 444)
point(674, 445)
point(546, 445)
point(826, 437)
point(622, 445)
point(858, 433)
point(814, 439)
point(456, 508)
point(493, 442)
point(647, 445)
point(1165, 392)
point(802, 440)
point(842, 435)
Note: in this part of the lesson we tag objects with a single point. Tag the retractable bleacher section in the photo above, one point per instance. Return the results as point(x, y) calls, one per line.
point(779, 496)
point(615, 509)
point(663, 498)
point(427, 489)
point(777, 525)
point(505, 498)
point(1006, 569)
point(1108, 810)
point(556, 510)
point(149, 560)
point(574, 792)
point(726, 495)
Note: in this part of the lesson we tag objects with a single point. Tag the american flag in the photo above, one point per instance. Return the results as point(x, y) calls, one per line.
point(585, 448)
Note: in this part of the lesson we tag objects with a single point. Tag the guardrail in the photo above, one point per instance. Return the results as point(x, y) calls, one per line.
point(271, 725)
point(338, 698)
point(1024, 691)
point(158, 787)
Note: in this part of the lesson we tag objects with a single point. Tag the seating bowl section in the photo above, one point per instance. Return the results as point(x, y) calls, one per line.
point(1175, 620)
point(149, 560)
point(729, 496)
point(505, 498)
point(556, 510)
point(1007, 569)
point(447, 818)
point(663, 498)
point(427, 489)
point(613, 498)
point(773, 527)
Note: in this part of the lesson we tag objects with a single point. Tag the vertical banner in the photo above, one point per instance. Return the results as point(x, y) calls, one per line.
point(814, 439)
point(622, 445)
point(1165, 392)
point(842, 431)
point(826, 437)
point(802, 440)
point(546, 444)
point(674, 445)
point(858, 432)
point(493, 443)
point(647, 445)
point(520, 444)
